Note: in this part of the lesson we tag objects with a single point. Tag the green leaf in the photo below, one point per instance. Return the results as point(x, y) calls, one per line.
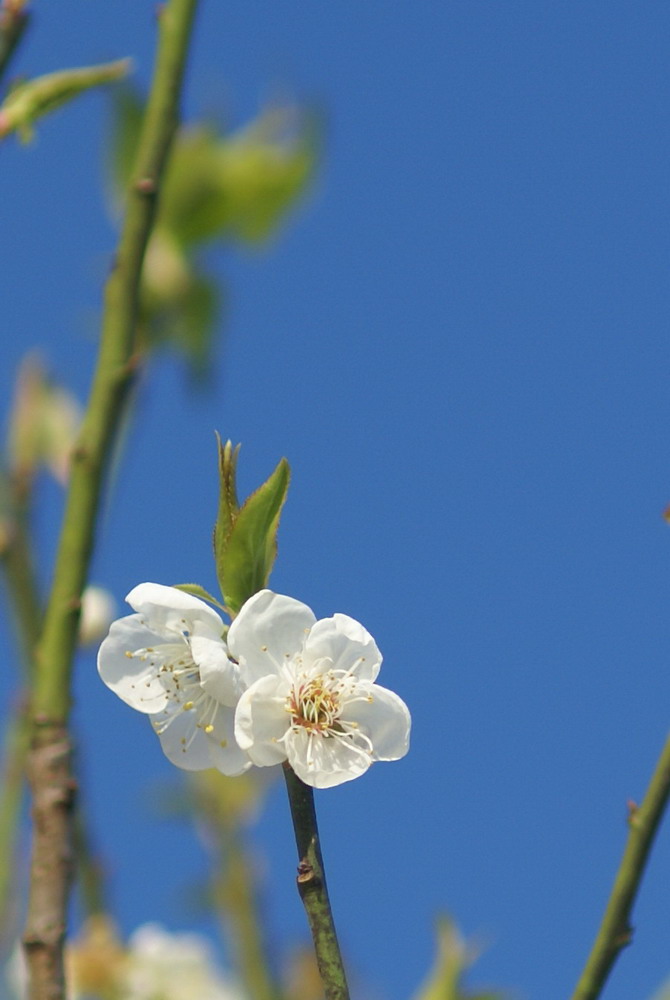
point(245, 538)
point(197, 591)
point(29, 101)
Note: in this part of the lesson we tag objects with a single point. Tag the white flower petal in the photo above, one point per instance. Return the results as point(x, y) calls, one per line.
point(269, 630)
point(347, 644)
point(166, 609)
point(261, 720)
point(219, 677)
point(225, 755)
point(183, 742)
point(324, 762)
point(384, 719)
point(133, 679)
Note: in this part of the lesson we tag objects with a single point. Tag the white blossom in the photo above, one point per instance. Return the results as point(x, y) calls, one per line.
point(310, 695)
point(169, 660)
point(166, 966)
point(98, 609)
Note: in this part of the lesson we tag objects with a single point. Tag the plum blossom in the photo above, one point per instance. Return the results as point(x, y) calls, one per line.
point(167, 966)
point(169, 661)
point(310, 696)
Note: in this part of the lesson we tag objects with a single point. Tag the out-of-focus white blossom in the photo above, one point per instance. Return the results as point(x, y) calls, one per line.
point(165, 966)
point(156, 964)
point(98, 609)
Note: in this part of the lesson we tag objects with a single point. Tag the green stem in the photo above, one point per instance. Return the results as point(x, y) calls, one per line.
point(313, 889)
point(51, 757)
point(115, 370)
point(615, 930)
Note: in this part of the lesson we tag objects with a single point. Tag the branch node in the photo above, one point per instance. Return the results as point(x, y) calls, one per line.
point(146, 185)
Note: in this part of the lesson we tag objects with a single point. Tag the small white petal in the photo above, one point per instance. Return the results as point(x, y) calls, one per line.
point(183, 743)
point(269, 630)
point(384, 719)
point(218, 675)
point(166, 609)
point(132, 678)
point(261, 720)
point(324, 762)
point(225, 755)
point(347, 644)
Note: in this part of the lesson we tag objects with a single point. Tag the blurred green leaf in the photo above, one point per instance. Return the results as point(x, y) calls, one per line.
point(227, 189)
point(245, 540)
point(454, 957)
point(28, 101)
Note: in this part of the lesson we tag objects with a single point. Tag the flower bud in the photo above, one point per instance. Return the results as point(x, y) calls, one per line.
point(98, 610)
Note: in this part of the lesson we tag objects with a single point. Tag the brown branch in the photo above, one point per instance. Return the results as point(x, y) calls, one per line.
point(50, 775)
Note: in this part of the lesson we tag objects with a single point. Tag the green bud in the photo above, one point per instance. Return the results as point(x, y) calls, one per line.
point(245, 538)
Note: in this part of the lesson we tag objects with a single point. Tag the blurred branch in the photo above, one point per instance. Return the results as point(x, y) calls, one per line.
point(313, 889)
point(17, 565)
point(51, 755)
point(224, 802)
point(615, 930)
point(15, 747)
point(14, 19)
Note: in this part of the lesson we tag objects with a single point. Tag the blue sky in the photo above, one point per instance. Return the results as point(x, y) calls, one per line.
point(460, 342)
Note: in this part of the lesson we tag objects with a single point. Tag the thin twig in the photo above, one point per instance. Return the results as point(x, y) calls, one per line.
point(615, 930)
point(51, 756)
point(313, 889)
point(223, 803)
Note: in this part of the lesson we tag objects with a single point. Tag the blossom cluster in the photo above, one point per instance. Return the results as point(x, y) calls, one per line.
point(156, 964)
point(280, 686)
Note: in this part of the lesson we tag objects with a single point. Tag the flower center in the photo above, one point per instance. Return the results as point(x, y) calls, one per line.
point(314, 705)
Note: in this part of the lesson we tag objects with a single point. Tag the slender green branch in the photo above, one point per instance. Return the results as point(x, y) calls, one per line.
point(51, 757)
point(115, 369)
point(615, 930)
point(14, 19)
point(313, 889)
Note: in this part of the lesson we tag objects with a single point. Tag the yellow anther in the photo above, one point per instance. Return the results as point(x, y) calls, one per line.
point(209, 728)
point(188, 705)
point(223, 743)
